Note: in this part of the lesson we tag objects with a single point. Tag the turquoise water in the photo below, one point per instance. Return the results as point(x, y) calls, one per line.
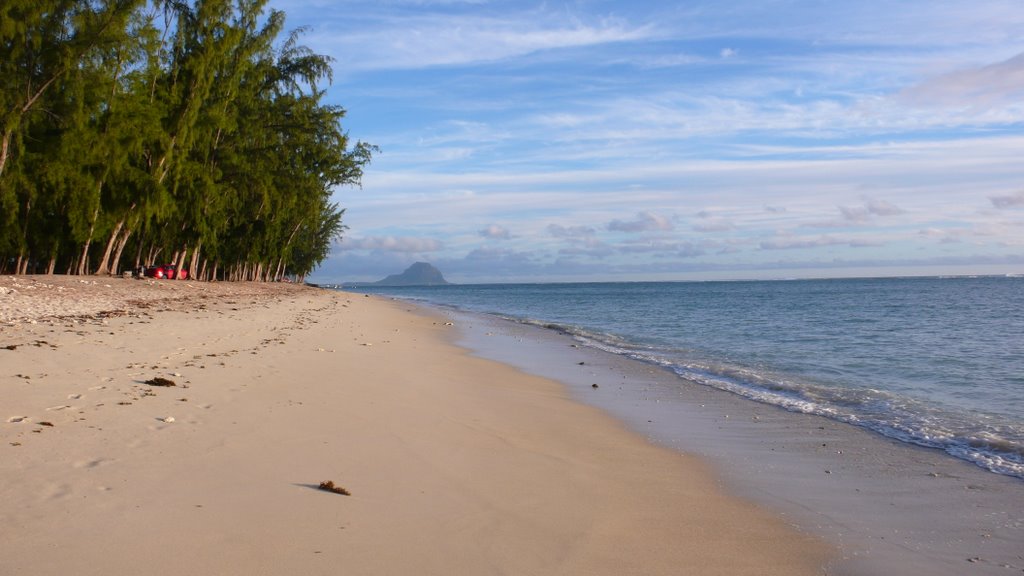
point(937, 362)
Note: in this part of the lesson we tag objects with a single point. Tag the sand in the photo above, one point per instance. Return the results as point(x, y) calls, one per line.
point(454, 464)
point(890, 507)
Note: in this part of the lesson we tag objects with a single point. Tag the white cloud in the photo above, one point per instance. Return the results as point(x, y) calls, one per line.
point(559, 231)
point(393, 244)
point(1008, 200)
point(883, 208)
point(711, 223)
point(999, 83)
point(870, 208)
point(800, 242)
point(674, 249)
point(854, 213)
point(495, 253)
point(496, 232)
point(424, 40)
point(661, 61)
point(644, 222)
point(588, 247)
point(555, 114)
point(716, 225)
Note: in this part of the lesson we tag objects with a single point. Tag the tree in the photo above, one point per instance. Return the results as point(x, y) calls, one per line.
point(184, 129)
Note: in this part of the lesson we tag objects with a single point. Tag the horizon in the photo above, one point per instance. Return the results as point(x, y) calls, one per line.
point(367, 284)
point(610, 141)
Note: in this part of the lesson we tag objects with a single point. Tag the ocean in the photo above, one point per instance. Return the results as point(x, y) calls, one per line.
point(937, 362)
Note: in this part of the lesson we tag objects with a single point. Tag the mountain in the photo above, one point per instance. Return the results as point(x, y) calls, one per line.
point(419, 274)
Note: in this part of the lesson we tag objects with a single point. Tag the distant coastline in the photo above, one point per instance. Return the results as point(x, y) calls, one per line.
point(362, 284)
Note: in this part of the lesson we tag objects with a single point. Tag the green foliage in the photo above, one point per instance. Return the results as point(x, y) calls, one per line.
point(132, 131)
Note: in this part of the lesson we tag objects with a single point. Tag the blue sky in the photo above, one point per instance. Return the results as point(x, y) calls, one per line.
point(577, 141)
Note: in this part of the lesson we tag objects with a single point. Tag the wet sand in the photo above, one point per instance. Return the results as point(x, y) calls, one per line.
point(889, 507)
point(454, 464)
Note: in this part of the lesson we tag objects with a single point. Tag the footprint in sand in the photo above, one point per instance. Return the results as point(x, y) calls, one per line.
point(74, 396)
point(14, 419)
point(90, 463)
point(61, 407)
point(56, 491)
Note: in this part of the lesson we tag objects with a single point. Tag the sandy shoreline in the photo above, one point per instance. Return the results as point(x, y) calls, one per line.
point(456, 465)
point(890, 507)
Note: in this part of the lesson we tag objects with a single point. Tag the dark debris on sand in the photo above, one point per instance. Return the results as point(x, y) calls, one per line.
point(329, 486)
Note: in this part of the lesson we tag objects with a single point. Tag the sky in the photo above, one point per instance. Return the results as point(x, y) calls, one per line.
point(629, 141)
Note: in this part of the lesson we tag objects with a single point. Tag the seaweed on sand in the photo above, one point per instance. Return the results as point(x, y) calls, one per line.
point(330, 487)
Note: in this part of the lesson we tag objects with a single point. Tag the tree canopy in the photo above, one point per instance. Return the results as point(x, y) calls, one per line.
point(193, 132)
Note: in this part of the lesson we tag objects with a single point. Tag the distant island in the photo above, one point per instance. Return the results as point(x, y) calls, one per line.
point(419, 274)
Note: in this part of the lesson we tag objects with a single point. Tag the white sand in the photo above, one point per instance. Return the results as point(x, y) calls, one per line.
point(455, 465)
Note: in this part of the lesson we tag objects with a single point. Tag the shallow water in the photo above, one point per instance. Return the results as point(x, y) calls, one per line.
point(937, 362)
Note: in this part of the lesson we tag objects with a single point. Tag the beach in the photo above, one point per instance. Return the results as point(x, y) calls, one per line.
point(169, 427)
point(888, 507)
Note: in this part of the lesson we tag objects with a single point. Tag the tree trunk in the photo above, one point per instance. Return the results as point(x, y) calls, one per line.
point(24, 229)
point(104, 267)
point(138, 255)
point(83, 264)
point(52, 266)
point(82, 267)
point(174, 261)
point(193, 265)
point(120, 248)
point(178, 261)
point(280, 269)
point(5, 148)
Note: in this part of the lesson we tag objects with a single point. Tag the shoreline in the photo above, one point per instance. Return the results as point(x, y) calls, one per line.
point(888, 506)
point(455, 464)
